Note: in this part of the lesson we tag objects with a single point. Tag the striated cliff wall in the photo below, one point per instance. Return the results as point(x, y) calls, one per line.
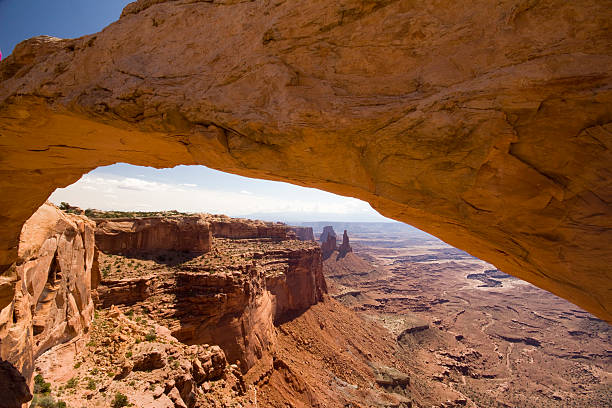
point(230, 296)
point(299, 286)
point(53, 281)
point(240, 228)
point(188, 233)
point(303, 233)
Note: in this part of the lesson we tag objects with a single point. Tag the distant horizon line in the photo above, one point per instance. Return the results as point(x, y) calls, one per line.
point(280, 216)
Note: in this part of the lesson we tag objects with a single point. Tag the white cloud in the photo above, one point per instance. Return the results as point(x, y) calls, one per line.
point(112, 192)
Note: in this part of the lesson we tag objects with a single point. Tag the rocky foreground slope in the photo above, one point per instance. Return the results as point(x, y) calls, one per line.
point(485, 123)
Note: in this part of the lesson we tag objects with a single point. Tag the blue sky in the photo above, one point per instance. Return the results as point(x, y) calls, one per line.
point(184, 188)
point(23, 19)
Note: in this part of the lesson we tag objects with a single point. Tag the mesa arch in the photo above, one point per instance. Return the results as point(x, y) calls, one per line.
point(487, 124)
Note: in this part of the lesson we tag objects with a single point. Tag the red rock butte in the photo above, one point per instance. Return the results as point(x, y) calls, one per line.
point(487, 124)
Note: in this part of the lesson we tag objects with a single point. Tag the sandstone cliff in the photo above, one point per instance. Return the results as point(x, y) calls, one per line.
point(484, 123)
point(191, 234)
point(303, 233)
point(53, 282)
point(328, 242)
point(230, 296)
point(241, 228)
point(297, 286)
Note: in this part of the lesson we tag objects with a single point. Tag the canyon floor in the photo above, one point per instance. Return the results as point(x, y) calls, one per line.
point(498, 340)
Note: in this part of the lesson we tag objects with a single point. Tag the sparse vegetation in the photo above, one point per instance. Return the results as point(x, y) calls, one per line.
point(93, 213)
point(72, 383)
point(150, 336)
point(91, 384)
point(40, 386)
point(120, 400)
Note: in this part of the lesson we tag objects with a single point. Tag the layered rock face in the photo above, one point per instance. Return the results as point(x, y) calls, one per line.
point(298, 285)
point(303, 233)
point(328, 242)
point(487, 124)
point(191, 234)
point(231, 296)
point(53, 282)
point(239, 228)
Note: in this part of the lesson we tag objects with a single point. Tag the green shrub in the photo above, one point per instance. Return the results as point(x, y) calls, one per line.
point(46, 401)
point(120, 401)
point(40, 386)
point(91, 385)
point(72, 383)
point(150, 336)
point(60, 404)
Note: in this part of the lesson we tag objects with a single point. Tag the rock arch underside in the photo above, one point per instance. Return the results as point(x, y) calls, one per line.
point(487, 124)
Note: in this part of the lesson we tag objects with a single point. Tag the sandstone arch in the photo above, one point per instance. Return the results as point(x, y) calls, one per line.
point(487, 124)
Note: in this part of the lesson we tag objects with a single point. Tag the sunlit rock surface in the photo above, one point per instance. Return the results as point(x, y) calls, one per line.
point(52, 302)
point(487, 124)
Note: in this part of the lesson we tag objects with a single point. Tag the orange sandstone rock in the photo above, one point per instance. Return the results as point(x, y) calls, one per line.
point(52, 302)
point(484, 123)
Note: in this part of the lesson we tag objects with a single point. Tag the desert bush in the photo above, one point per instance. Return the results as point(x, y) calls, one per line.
point(120, 401)
point(46, 401)
point(72, 383)
point(40, 386)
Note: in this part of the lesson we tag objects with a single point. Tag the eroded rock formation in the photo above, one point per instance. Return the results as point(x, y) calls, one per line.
point(298, 285)
point(240, 228)
point(345, 247)
point(487, 124)
point(52, 302)
point(303, 233)
point(153, 234)
point(231, 296)
point(328, 242)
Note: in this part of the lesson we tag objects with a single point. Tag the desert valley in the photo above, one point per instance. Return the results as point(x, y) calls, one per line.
point(197, 310)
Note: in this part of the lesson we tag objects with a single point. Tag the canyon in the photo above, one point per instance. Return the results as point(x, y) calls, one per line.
point(487, 124)
point(238, 318)
point(250, 315)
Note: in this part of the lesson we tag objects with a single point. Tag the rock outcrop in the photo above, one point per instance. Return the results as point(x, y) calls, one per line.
point(297, 286)
point(13, 387)
point(328, 242)
point(345, 247)
point(192, 234)
point(134, 356)
point(231, 296)
point(303, 233)
point(242, 228)
point(52, 302)
point(486, 124)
